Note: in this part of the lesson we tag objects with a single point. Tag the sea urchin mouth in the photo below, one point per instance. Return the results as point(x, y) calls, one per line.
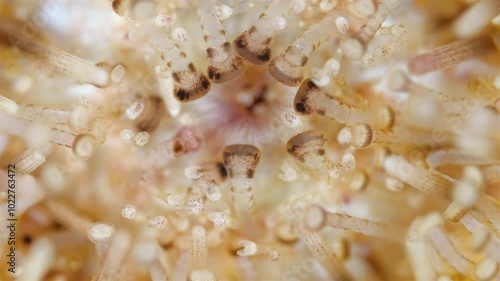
point(243, 108)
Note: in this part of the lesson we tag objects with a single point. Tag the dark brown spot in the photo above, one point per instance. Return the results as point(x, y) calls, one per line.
point(178, 147)
point(303, 60)
point(213, 74)
point(252, 29)
point(181, 94)
point(167, 245)
point(267, 40)
point(210, 53)
point(182, 55)
point(222, 170)
point(321, 152)
point(118, 7)
point(227, 47)
point(222, 32)
point(250, 173)
point(300, 107)
point(240, 42)
point(176, 77)
point(57, 225)
point(265, 55)
point(311, 85)
point(293, 148)
point(27, 239)
point(205, 83)
point(321, 112)
point(301, 159)
point(191, 67)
